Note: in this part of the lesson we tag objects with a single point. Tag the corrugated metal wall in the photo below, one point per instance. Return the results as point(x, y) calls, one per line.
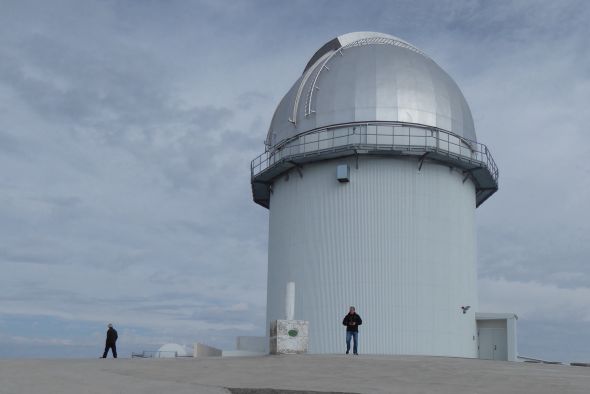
point(397, 243)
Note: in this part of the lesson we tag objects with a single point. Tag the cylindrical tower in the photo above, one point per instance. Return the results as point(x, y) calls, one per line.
point(372, 174)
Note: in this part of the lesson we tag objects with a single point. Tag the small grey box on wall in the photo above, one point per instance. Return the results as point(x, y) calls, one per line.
point(343, 173)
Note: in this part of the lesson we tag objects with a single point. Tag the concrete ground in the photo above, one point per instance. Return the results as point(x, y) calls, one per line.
point(304, 374)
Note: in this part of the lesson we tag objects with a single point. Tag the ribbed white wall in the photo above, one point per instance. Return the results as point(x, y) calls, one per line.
point(397, 243)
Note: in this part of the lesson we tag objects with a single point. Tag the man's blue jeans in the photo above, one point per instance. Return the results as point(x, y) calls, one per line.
point(349, 335)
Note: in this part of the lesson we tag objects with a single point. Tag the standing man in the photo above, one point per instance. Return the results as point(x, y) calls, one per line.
point(352, 321)
point(111, 342)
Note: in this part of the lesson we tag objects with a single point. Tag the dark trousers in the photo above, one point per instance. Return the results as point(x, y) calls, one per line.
point(113, 348)
point(352, 335)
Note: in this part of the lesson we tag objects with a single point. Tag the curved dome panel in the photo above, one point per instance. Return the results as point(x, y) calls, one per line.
point(368, 77)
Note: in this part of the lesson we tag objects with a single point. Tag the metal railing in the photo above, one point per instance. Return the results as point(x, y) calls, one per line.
point(389, 137)
point(155, 354)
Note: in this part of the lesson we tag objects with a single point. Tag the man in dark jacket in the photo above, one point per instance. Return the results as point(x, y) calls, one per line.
point(352, 321)
point(111, 342)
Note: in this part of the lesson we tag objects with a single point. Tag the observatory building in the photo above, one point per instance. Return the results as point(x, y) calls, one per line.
point(371, 174)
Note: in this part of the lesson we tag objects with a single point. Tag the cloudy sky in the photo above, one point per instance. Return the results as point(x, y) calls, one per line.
point(127, 130)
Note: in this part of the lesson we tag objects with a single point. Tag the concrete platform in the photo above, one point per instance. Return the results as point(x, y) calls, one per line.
point(301, 373)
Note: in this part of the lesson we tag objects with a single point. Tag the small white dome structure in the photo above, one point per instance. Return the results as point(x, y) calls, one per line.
point(171, 350)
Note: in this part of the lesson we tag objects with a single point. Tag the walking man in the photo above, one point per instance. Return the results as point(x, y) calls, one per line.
point(352, 321)
point(111, 342)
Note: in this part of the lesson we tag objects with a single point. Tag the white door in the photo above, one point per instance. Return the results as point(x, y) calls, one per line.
point(492, 344)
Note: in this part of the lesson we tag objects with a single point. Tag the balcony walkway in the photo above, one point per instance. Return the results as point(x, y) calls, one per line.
point(381, 139)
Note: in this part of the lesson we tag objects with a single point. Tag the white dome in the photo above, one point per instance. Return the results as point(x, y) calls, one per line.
point(171, 350)
point(368, 77)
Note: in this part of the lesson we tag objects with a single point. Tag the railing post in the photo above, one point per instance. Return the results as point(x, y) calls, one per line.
point(437, 140)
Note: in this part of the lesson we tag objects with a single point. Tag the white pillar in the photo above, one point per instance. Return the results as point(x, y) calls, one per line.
point(290, 301)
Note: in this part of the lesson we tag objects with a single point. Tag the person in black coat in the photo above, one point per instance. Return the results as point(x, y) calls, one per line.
point(111, 342)
point(352, 321)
